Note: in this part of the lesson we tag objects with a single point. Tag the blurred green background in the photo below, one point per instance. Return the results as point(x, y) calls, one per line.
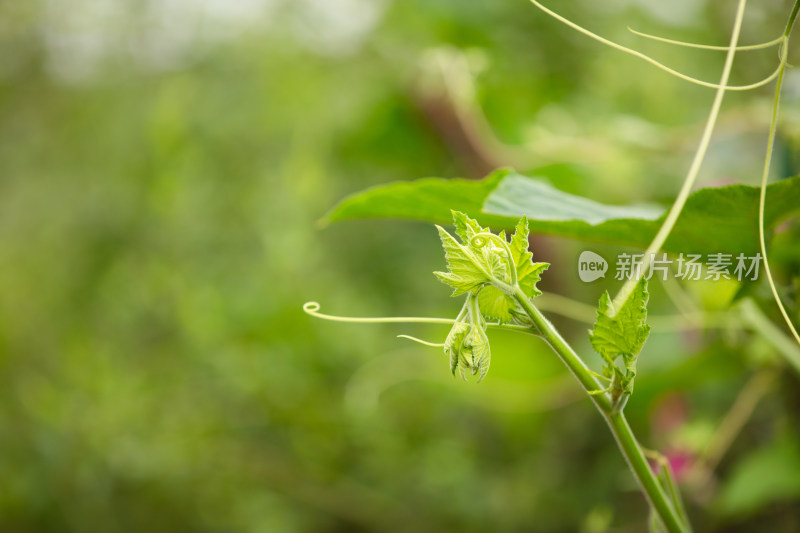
point(162, 168)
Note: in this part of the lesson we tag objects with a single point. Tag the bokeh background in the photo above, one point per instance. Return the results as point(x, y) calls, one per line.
point(163, 166)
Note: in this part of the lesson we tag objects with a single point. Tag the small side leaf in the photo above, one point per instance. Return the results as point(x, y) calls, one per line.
point(528, 272)
point(466, 227)
point(497, 305)
point(621, 333)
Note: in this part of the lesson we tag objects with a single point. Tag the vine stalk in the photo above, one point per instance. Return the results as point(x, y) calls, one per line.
point(762, 200)
point(614, 417)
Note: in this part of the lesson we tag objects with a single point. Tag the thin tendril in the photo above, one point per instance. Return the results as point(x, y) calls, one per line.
point(420, 341)
point(312, 309)
point(762, 199)
point(512, 265)
point(649, 59)
point(694, 169)
point(471, 257)
point(706, 46)
point(600, 376)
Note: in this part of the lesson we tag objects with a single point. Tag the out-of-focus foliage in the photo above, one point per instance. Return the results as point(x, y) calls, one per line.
point(718, 218)
point(162, 168)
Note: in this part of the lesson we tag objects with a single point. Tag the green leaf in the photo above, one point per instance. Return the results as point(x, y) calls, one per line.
point(427, 199)
point(528, 272)
point(453, 343)
point(541, 201)
point(720, 219)
point(476, 354)
point(491, 257)
point(497, 305)
point(621, 333)
point(466, 227)
point(471, 265)
point(466, 272)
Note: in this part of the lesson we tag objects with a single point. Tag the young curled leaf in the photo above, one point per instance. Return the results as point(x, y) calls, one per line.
point(476, 261)
point(496, 304)
point(467, 271)
point(475, 355)
point(454, 342)
point(482, 263)
point(489, 269)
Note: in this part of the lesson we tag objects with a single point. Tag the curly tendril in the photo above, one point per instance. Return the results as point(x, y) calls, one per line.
point(422, 341)
point(312, 309)
point(479, 240)
point(742, 48)
point(656, 63)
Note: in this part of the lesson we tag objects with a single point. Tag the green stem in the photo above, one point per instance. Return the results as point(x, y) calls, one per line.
point(773, 126)
point(616, 420)
point(652, 489)
point(668, 480)
point(564, 351)
point(674, 492)
point(792, 18)
point(475, 314)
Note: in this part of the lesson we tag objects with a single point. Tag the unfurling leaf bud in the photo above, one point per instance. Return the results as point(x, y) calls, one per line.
point(467, 345)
